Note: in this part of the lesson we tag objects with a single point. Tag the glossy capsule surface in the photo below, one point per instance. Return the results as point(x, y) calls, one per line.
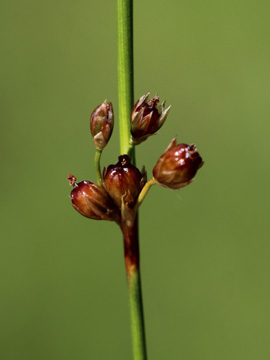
point(177, 166)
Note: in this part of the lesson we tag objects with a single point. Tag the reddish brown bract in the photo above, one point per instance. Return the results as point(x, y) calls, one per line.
point(123, 181)
point(146, 118)
point(177, 166)
point(92, 201)
point(101, 124)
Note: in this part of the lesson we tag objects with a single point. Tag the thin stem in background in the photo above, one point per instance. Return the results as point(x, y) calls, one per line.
point(129, 228)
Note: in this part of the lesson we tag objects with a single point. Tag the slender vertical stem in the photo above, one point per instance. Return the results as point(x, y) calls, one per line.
point(131, 246)
point(125, 73)
point(129, 226)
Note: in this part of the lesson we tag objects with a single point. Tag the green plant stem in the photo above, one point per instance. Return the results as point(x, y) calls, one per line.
point(137, 321)
point(125, 73)
point(97, 165)
point(131, 246)
point(129, 225)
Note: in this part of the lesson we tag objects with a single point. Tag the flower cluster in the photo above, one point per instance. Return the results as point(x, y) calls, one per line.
point(122, 185)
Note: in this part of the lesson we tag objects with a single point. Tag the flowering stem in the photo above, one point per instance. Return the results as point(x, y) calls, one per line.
point(125, 73)
point(129, 225)
point(131, 246)
point(97, 165)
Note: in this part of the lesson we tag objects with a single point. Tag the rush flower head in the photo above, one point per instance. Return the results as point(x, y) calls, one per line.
point(123, 181)
point(147, 118)
point(177, 166)
point(101, 124)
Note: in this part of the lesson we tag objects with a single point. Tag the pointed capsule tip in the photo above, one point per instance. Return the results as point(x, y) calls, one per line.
point(72, 179)
point(124, 159)
point(172, 143)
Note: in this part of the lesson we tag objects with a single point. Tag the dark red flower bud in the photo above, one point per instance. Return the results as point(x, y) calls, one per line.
point(92, 201)
point(147, 118)
point(101, 124)
point(177, 166)
point(123, 181)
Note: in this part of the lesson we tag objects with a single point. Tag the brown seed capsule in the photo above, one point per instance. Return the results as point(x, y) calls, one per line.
point(177, 166)
point(123, 181)
point(101, 124)
point(147, 118)
point(92, 201)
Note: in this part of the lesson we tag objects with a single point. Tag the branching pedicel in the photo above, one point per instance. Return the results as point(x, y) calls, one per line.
point(121, 189)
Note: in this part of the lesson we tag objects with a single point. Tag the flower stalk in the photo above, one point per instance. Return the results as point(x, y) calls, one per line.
point(144, 192)
point(129, 227)
point(125, 74)
point(97, 165)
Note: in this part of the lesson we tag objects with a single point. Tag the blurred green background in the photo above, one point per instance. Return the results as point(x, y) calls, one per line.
point(204, 249)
